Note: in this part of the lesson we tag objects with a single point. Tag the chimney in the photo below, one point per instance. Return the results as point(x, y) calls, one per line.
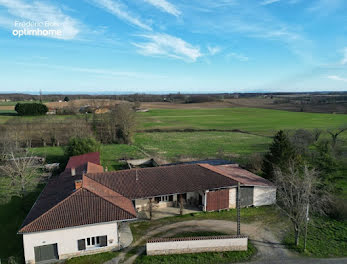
point(78, 184)
point(73, 171)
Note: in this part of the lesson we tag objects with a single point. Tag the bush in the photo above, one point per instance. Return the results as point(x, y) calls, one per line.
point(79, 146)
point(31, 109)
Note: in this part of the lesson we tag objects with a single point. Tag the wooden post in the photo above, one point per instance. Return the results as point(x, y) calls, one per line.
point(150, 208)
point(238, 209)
point(181, 204)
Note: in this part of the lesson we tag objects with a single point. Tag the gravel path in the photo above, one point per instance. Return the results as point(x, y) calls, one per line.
point(270, 250)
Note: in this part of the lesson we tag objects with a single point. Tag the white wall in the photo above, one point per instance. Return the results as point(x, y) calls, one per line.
point(204, 245)
point(232, 198)
point(66, 239)
point(264, 195)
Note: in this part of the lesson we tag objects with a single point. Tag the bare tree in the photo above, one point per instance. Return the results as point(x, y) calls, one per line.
point(316, 134)
point(334, 133)
point(297, 188)
point(125, 118)
point(21, 170)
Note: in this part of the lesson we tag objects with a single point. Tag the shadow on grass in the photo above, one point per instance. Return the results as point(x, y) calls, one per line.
point(12, 215)
point(8, 114)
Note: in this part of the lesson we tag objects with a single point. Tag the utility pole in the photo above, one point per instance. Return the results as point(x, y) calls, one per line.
point(307, 219)
point(150, 208)
point(238, 209)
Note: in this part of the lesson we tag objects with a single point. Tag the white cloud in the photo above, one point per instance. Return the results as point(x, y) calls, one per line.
point(268, 2)
point(167, 45)
point(102, 72)
point(213, 50)
point(120, 10)
point(325, 7)
point(165, 6)
point(39, 11)
point(337, 78)
point(238, 56)
point(344, 60)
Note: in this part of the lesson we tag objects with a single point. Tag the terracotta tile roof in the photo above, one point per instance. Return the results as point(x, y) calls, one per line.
point(76, 161)
point(108, 194)
point(59, 189)
point(149, 182)
point(236, 173)
point(80, 208)
point(94, 168)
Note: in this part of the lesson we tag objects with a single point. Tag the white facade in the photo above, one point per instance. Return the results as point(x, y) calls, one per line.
point(66, 240)
point(264, 195)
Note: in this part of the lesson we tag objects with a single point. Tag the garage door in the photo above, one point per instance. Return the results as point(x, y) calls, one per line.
point(46, 252)
point(217, 200)
point(246, 196)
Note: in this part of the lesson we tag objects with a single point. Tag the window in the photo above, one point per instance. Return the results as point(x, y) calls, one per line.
point(92, 242)
point(165, 198)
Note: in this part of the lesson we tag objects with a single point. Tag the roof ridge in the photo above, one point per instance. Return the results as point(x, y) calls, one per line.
point(107, 200)
point(56, 205)
point(85, 186)
point(148, 168)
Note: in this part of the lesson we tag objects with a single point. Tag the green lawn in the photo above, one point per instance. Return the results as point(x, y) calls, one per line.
point(200, 258)
point(12, 215)
point(262, 121)
point(325, 238)
point(174, 145)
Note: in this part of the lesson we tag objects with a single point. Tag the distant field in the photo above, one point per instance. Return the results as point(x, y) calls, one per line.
point(259, 121)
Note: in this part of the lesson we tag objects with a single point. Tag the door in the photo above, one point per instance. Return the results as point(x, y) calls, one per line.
point(46, 252)
point(217, 200)
point(246, 196)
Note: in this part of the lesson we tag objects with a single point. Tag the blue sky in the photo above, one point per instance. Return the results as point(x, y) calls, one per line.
point(161, 46)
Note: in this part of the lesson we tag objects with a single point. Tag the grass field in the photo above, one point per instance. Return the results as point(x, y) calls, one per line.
point(260, 121)
point(200, 145)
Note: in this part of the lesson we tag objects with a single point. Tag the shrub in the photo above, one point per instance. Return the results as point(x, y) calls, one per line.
point(79, 146)
point(31, 109)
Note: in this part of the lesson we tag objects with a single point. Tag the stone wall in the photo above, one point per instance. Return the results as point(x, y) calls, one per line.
point(167, 246)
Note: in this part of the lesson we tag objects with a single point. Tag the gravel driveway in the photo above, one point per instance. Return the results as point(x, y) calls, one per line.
point(270, 250)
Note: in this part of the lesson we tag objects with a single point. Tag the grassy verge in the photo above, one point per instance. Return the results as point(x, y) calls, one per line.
point(93, 259)
point(266, 214)
point(325, 238)
point(201, 258)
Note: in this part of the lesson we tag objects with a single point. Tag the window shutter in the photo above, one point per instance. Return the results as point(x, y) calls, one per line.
point(81, 244)
point(103, 241)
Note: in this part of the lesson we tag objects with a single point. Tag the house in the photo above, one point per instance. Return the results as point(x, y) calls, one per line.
point(80, 210)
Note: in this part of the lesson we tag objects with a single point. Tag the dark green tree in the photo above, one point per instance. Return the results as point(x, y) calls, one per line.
point(79, 146)
point(31, 109)
point(280, 153)
point(66, 99)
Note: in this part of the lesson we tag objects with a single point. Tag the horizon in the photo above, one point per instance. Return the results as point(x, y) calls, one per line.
point(165, 46)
